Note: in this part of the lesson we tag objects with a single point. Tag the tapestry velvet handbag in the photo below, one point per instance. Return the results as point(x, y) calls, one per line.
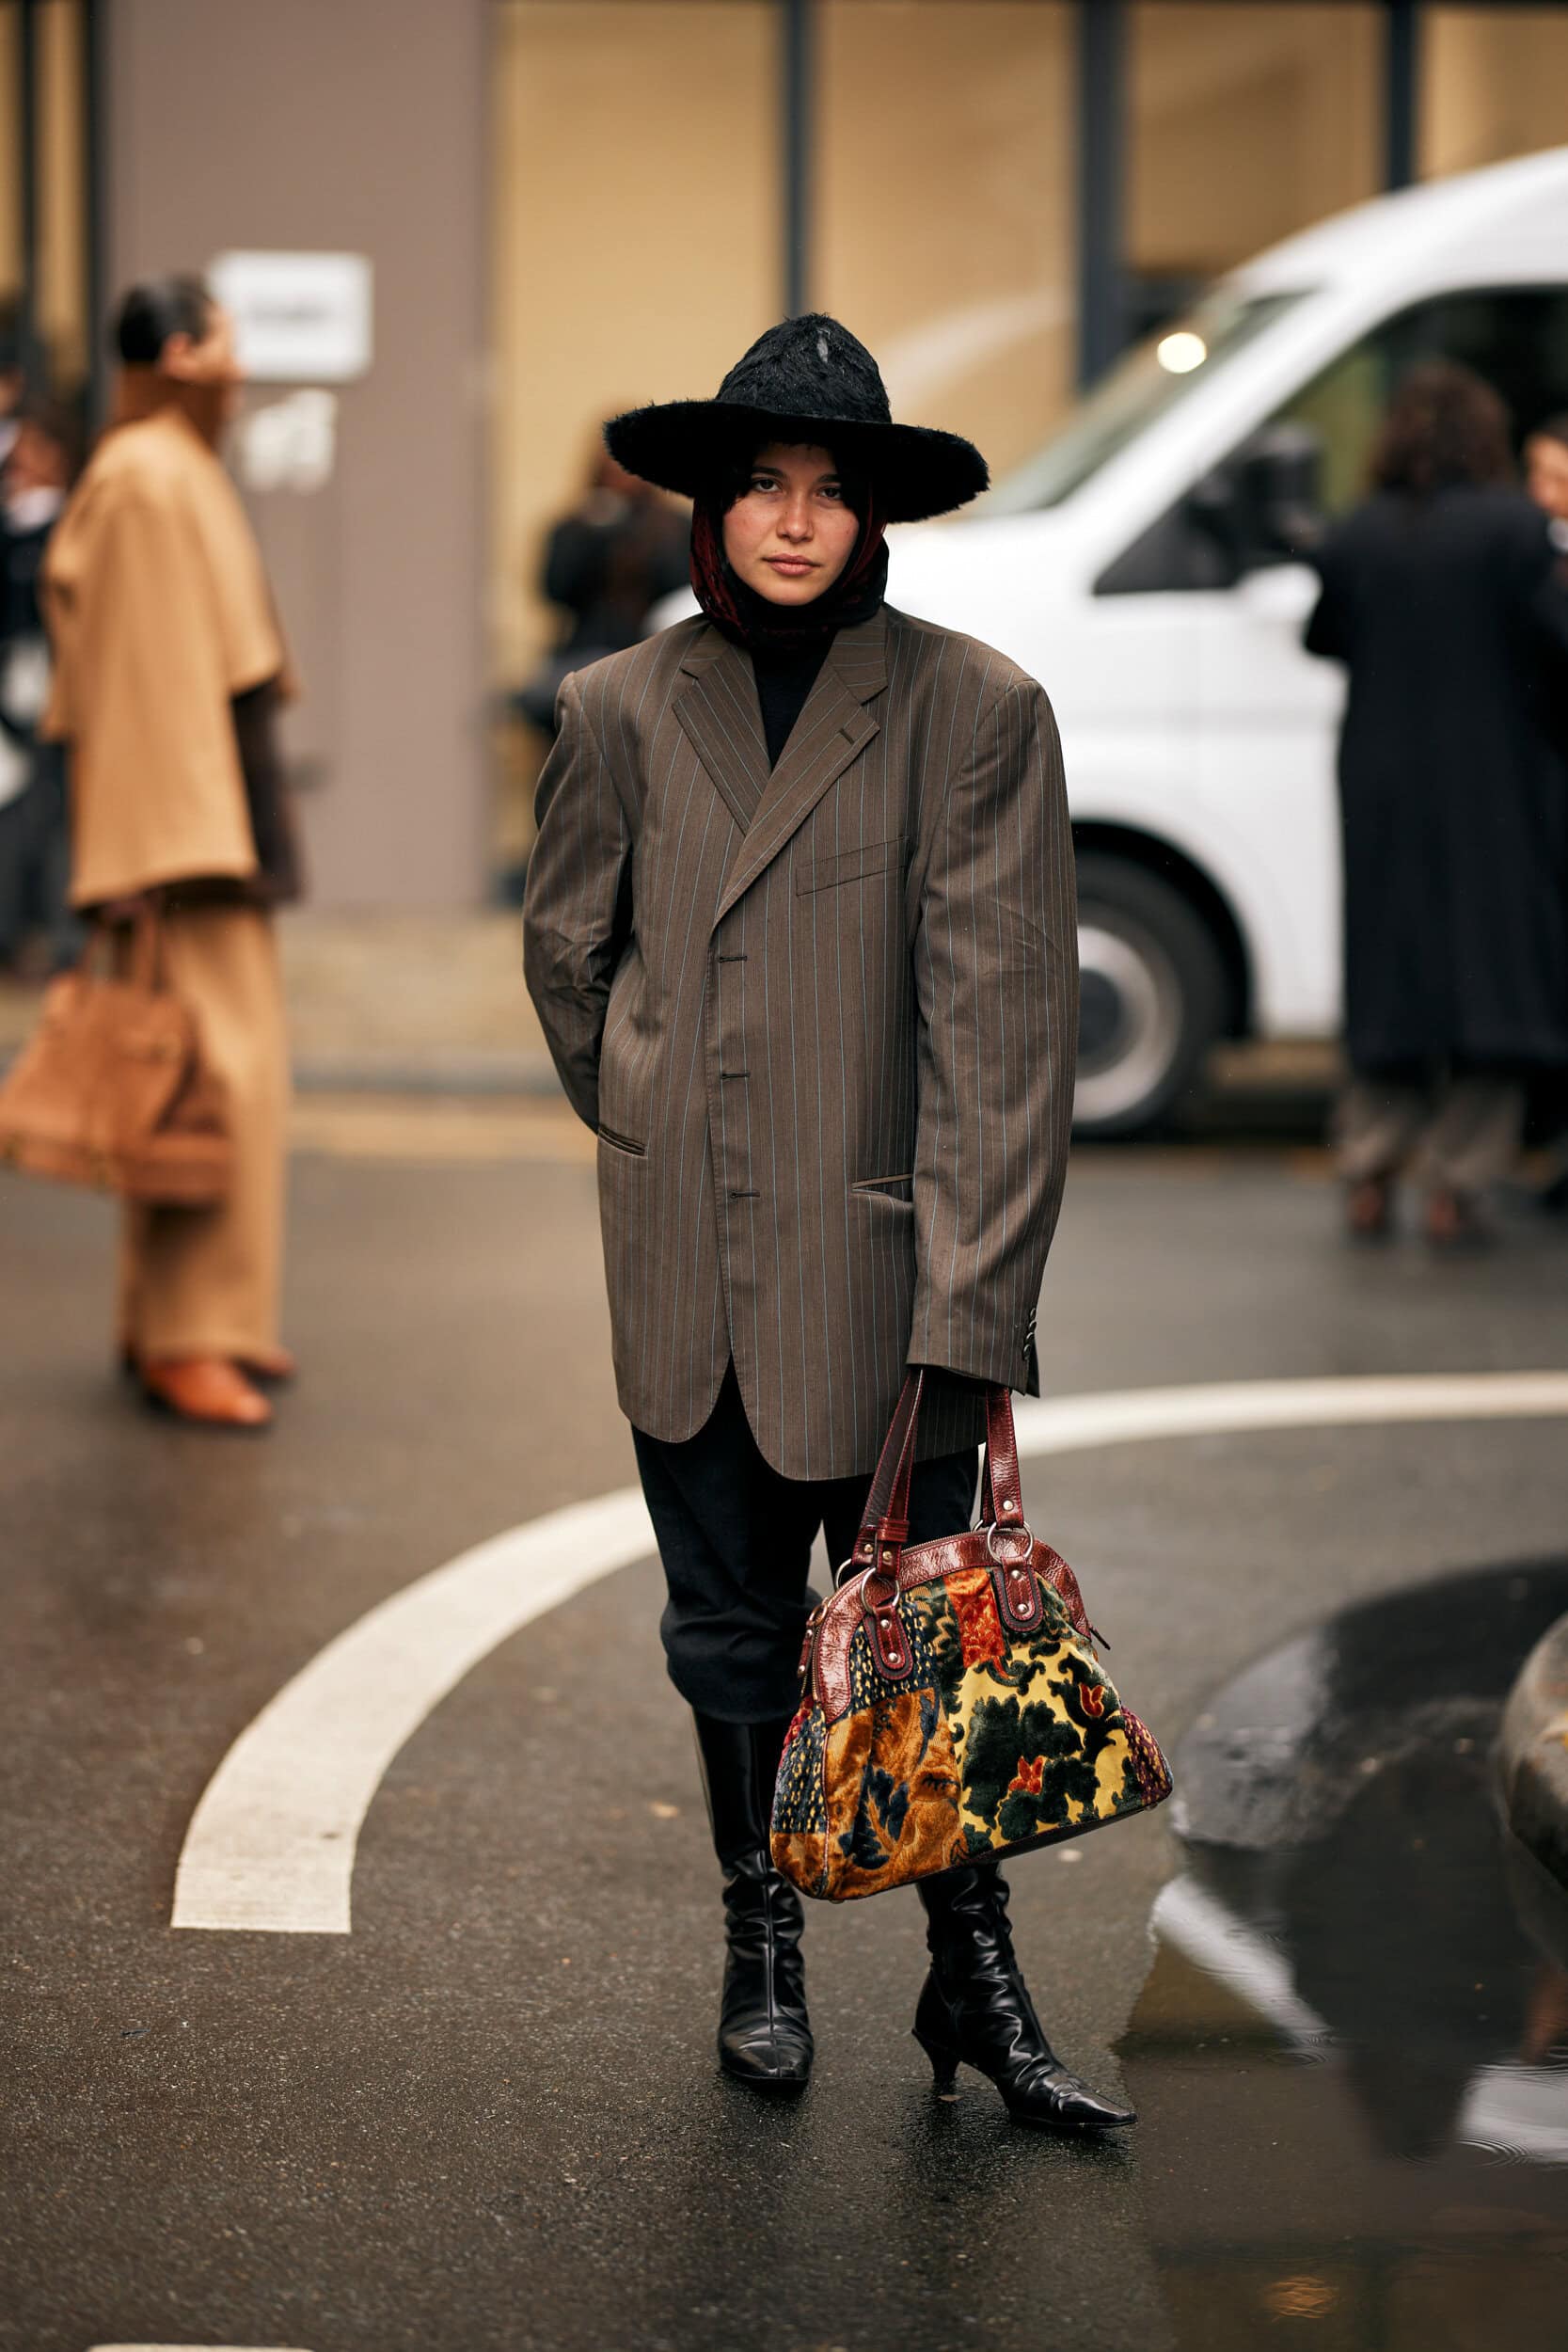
point(112, 1090)
point(954, 1707)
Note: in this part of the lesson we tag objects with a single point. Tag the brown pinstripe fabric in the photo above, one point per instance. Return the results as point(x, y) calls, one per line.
point(823, 1022)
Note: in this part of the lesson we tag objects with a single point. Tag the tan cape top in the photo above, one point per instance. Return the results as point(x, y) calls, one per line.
point(160, 613)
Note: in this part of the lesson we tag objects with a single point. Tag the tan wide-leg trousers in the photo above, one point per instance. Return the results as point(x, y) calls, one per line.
point(1459, 1134)
point(204, 1281)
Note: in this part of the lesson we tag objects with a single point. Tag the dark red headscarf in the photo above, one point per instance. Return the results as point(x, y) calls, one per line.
point(754, 621)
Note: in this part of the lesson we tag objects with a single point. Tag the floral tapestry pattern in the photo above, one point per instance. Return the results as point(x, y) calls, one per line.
point(994, 1741)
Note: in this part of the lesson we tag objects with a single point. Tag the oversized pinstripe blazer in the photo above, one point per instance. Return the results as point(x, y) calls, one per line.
point(823, 1021)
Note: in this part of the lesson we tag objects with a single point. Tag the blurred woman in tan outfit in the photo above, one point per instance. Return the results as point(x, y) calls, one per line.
point(168, 670)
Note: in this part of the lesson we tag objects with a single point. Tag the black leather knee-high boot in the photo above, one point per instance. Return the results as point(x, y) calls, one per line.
point(764, 2033)
point(974, 2009)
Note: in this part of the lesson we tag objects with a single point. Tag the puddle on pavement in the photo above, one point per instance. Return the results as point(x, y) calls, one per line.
point(1351, 2055)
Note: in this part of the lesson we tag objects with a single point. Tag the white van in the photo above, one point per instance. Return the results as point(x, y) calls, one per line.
point(1140, 566)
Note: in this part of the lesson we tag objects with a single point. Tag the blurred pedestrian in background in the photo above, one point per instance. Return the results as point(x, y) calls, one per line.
point(1546, 478)
point(1546, 474)
point(13, 378)
point(37, 933)
point(168, 671)
point(1441, 595)
point(607, 564)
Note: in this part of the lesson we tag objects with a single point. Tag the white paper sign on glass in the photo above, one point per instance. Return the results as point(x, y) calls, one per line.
point(300, 317)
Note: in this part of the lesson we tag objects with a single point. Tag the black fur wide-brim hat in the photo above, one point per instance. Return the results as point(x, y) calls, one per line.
point(807, 379)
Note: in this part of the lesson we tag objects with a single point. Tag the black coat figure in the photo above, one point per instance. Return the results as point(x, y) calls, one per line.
point(1446, 610)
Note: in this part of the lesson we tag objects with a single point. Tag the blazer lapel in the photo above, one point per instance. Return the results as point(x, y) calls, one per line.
point(833, 728)
point(720, 714)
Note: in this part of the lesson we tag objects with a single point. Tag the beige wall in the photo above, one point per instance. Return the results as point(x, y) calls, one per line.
point(636, 242)
point(942, 209)
point(1246, 123)
point(1494, 84)
point(356, 125)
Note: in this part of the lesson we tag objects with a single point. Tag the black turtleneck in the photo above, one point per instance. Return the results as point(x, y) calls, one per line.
point(784, 681)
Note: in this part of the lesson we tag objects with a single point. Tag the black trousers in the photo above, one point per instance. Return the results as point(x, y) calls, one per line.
point(735, 1537)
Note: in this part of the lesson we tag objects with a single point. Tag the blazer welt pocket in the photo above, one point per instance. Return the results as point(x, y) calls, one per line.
point(899, 1189)
point(622, 1143)
point(823, 873)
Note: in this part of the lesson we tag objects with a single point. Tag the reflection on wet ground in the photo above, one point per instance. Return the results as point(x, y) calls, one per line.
point(1351, 2055)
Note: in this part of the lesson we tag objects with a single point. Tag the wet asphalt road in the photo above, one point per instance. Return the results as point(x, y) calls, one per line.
point(487, 2120)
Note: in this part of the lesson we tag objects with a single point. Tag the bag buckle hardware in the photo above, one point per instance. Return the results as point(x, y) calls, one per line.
point(891, 1644)
point(1016, 1587)
point(1016, 1558)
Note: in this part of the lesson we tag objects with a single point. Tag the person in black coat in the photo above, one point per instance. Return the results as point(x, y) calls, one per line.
point(607, 564)
point(1442, 597)
point(1546, 480)
point(38, 931)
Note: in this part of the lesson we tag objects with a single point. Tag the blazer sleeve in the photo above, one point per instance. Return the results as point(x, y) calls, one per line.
point(996, 981)
point(576, 907)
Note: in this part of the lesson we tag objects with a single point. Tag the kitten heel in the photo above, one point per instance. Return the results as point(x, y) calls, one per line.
point(933, 2032)
point(945, 2063)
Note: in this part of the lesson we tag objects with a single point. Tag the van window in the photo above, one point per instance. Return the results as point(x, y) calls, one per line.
point(1141, 387)
point(1514, 335)
point(1517, 337)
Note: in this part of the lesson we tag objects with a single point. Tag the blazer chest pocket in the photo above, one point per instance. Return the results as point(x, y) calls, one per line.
point(825, 873)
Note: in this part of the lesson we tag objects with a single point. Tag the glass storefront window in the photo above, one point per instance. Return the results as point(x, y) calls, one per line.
point(636, 242)
point(1246, 124)
point(1493, 83)
point(636, 252)
point(44, 180)
point(942, 206)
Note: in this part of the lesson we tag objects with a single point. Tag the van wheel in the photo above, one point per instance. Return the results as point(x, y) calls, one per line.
point(1152, 1001)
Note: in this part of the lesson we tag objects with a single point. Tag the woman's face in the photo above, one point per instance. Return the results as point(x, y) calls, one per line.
point(791, 531)
point(1547, 464)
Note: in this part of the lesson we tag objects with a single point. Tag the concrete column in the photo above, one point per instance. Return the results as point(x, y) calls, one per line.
point(358, 126)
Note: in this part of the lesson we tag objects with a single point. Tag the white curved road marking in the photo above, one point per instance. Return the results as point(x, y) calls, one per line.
point(271, 1846)
point(1061, 1424)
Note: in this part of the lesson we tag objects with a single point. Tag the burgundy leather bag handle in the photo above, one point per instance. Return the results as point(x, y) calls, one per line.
point(1001, 1490)
point(885, 1521)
